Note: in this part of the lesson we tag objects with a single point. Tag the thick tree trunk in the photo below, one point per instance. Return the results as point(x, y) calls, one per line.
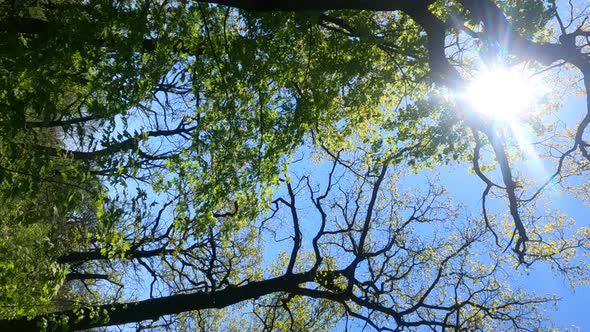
point(79, 257)
point(302, 5)
point(153, 309)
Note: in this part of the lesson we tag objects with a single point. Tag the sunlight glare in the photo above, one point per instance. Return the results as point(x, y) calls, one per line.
point(503, 95)
point(509, 97)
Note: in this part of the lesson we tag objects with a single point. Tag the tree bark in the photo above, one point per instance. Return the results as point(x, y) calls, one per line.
point(153, 309)
point(303, 5)
point(85, 256)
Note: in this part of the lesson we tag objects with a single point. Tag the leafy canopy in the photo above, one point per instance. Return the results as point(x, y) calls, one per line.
point(230, 164)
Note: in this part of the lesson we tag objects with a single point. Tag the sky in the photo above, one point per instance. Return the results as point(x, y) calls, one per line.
point(467, 188)
point(572, 311)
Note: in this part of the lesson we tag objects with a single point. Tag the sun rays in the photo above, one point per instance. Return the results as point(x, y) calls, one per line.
point(502, 95)
point(507, 98)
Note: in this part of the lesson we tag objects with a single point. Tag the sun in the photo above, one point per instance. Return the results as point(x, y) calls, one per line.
point(503, 95)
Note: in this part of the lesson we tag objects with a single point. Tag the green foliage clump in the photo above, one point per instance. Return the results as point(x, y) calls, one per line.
point(30, 277)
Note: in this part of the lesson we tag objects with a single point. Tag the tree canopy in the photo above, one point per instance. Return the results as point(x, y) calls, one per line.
point(271, 165)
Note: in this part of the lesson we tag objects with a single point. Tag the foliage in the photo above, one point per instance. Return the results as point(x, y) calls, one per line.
point(30, 275)
point(253, 164)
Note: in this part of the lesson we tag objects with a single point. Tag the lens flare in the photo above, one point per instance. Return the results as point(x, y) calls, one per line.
point(503, 95)
point(508, 97)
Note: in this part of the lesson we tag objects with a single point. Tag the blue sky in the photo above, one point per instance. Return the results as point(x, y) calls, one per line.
point(572, 311)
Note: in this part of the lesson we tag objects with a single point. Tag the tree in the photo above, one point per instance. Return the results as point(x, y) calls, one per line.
point(170, 134)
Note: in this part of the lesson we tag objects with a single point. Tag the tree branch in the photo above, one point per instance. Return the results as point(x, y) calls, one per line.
point(153, 309)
